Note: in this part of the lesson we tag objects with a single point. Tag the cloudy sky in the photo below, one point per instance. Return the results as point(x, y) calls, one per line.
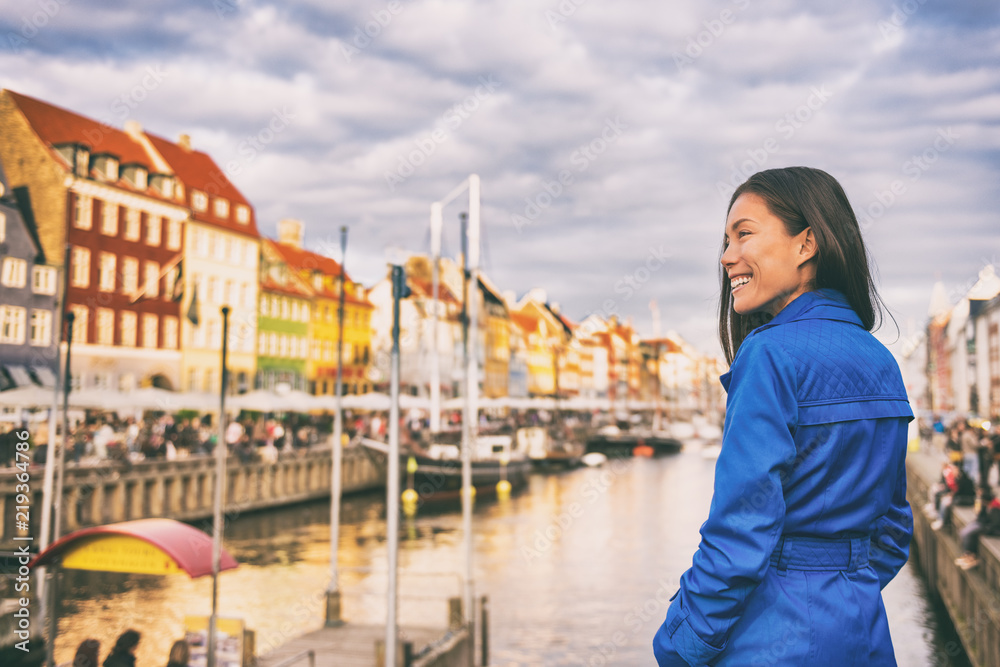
point(608, 135)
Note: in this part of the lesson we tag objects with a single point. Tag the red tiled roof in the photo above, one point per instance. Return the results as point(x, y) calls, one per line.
point(198, 171)
point(299, 260)
point(527, 323)
point(426, 288)
point(292, 288)
point(55, 126)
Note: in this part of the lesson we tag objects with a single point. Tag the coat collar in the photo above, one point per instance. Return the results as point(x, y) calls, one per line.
point(821, 304)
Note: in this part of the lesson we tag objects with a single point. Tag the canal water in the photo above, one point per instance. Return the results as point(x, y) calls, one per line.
point(577, 568)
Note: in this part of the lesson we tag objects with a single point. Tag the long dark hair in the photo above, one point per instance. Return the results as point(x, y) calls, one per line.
point(803, 197)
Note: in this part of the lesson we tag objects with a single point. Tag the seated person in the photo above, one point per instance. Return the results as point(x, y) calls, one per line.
point(987, 523)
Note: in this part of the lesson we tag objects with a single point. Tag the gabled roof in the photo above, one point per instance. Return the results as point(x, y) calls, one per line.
point(528, 323)
point(55, 126)
point(426, 289)
point(299, 259)
point(292, 288)
point(198, 171)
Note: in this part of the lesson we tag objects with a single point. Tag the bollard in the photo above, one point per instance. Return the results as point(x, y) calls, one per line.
point(455, 618)
point(403, 649)
point(484, 607)
point(333, 619)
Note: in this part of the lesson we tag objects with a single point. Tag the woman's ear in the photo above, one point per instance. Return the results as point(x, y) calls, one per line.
point(807, 248)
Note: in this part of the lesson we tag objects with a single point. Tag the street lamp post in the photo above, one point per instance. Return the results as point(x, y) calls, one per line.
point(220, 482)
point(333, 591)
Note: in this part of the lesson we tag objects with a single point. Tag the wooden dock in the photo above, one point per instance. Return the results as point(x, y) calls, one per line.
point(354, 645)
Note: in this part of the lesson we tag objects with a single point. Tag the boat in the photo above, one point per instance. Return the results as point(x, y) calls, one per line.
point(435, 471)
point(613, 441)
point(544, 451)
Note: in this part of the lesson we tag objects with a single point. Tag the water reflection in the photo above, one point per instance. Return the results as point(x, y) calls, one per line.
point(578, 568)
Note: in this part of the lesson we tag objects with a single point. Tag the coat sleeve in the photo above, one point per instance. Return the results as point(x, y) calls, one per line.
point(893, 530)
point(748, 506)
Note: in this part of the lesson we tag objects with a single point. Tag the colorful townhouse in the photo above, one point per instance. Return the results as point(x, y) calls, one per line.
point(283, 319)
point(219, 267)
point(417, 343)
point(104, 197)
point(28, 296)
point(323, 276)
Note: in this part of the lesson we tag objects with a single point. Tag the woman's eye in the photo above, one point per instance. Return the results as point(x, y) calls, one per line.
point(741, 233)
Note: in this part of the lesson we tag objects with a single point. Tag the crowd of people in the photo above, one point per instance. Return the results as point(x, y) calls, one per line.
point(967, 480)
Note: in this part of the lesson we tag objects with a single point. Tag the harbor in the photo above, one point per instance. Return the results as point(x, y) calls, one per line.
point(578, 567)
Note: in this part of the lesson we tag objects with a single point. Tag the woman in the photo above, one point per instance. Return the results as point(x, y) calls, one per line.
point(809, 518)
point(123, 653)
point(180, 654)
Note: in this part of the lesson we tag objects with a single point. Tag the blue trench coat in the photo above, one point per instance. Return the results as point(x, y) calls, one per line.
point(809, 518)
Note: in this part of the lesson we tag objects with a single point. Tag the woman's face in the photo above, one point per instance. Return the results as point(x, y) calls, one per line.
point(766, 266)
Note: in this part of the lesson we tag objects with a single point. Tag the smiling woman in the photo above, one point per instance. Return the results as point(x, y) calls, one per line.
point(809, 519)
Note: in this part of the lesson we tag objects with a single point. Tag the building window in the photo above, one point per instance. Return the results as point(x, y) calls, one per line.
point(130, 275)
point(109, 219)
point(243, 214)
point(210, 380)
point(106, 279)
point(43, 280)
point(12, 324)
point(41, 327)
point(244, 295)
point(154, 230)
point(230, 293)
point(192, 383)
point(219, 249)
point(105, 326)
point(199, 201)
point(150, 330)
point(83, 215)
point(272, 343)
point(3, 226)
point(262, 344)
point(152, 287)
point(201, 242)
point(80, 322)
point(133, 224)
point(221, 207)
point(15, 272)
point(265, 310)
point(214, 336)
point(174, 235)
point(80, 276)
point(170, 333)
point(129, 324)
point(283, 346)
point(285, 310)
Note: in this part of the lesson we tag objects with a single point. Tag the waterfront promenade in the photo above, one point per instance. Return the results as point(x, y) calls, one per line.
point(971, 597)
point(183, 489)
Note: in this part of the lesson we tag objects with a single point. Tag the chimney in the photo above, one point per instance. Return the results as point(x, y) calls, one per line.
point(290, 232)
point(184, 141)
point(133, 128)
